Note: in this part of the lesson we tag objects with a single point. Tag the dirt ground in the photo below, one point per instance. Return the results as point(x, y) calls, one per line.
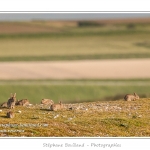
point(51, 26)
point(85, 69)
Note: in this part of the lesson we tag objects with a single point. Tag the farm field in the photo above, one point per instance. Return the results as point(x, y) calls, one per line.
point(73, 91)
point(73, 41)
point(83, 69)
point(88, 65)
point(50, 41)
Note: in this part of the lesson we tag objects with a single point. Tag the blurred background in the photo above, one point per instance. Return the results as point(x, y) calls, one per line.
point(74, 57)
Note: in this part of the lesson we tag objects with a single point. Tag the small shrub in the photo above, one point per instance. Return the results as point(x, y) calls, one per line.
point(89, 24)
point(130, 26)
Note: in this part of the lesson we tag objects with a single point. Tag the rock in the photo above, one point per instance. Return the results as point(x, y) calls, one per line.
point(56, 116)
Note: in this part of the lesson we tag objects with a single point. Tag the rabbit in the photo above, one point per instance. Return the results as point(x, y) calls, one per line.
point(130, 97)
point(4, 105)
point(11, 101)
point(23, 102)
point(47, 102)
point(55, 107)
point(10, 114)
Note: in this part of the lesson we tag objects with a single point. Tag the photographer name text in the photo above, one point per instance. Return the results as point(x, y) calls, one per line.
point(94, 145)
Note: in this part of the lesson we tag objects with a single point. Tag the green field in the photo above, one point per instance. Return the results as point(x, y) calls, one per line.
point(74, 43)
point(73, 91)
point(98, 108)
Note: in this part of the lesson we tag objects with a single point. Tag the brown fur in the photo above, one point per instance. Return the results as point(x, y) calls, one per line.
point(11, 101)
point(130, 97)
point(56, 107)
point(47, 102)
point(23, 102)
point(4, 105)
point(10, 114)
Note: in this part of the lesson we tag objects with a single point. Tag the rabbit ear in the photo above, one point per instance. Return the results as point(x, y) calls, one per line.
point(11, 95)
point(15, 95)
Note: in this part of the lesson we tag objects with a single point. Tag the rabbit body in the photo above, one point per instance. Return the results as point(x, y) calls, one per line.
point(11, 101)
point(23, 102)
point(55, 107)
point(130, 97)
point(10, 114)
point(47, 102)
point(4, 105)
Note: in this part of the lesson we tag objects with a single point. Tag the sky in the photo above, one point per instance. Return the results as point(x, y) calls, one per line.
point(68, 16)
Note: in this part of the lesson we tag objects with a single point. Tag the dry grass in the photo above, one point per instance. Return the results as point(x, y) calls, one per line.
point(74, 46)
point(104, 119)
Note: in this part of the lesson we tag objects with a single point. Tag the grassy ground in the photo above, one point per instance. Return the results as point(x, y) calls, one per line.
point(76, 42)
point(99, 117)
point(91, 119)
point(73, 90)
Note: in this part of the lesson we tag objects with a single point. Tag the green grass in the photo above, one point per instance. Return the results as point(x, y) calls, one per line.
point(75, 57)
point(76, 43)
point(73, 90)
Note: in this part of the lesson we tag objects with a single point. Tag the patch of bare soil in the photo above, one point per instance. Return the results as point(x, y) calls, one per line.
point(34, 26)
point(85, 69)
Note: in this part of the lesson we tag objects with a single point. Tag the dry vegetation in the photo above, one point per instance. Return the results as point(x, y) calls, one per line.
point(94, 119)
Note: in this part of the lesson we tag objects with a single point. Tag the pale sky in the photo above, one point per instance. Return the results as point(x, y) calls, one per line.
point(68, 16)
